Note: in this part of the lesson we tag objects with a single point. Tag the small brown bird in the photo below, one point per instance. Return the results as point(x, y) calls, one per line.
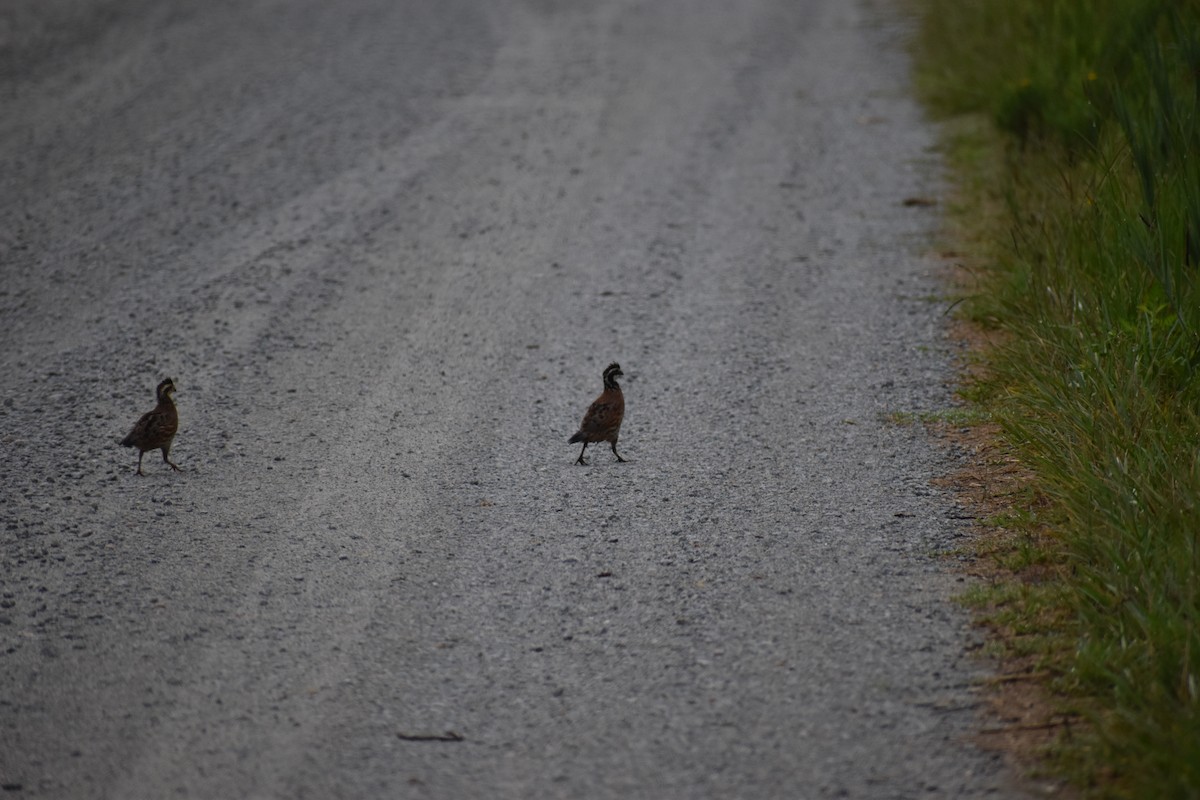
point(156, 429)
point(602, 422)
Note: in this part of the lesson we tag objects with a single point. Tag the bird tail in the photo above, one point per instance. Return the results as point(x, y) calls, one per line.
point(578, 437)
point(127, 441)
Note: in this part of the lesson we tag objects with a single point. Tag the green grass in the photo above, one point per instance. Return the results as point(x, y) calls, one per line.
point(1079, 160)
point(956, 416)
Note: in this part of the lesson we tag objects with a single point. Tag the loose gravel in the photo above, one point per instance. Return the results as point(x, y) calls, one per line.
point(385, 250)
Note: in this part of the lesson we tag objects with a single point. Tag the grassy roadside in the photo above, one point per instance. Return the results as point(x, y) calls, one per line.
point(1073, 128)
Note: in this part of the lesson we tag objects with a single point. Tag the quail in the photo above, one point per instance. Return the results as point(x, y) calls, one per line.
point(602, 422)
point(156, 429)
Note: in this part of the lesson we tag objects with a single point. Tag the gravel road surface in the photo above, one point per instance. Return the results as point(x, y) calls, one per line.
point(385, 249)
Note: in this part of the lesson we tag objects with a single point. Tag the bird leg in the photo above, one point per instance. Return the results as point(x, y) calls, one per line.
point(615, 453)
point(174, 466)
point(580, 459)
point(139, 469)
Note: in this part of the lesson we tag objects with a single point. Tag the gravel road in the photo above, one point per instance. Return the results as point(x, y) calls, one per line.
point(385, 250)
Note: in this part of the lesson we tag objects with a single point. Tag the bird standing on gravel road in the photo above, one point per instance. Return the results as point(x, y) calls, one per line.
point(156, 429)
point(602, 422)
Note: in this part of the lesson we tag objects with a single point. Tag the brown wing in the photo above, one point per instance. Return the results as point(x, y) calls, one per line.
point(154, 430)
point(603, 418)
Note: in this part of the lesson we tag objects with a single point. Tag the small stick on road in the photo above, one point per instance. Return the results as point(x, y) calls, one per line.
point(448, 736)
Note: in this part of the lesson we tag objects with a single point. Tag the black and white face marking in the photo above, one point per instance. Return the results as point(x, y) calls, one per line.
point(165, 389)
point(611, 373)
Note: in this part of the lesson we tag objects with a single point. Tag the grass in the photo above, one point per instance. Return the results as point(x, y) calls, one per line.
point(955, 415)
point(1074, 130)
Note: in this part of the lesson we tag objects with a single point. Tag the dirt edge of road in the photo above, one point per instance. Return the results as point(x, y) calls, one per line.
point(1024, 718)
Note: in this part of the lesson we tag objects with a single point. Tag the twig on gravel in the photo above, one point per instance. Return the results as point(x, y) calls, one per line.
point(1018, 676)
point(448, 736)
point(1065, 722)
